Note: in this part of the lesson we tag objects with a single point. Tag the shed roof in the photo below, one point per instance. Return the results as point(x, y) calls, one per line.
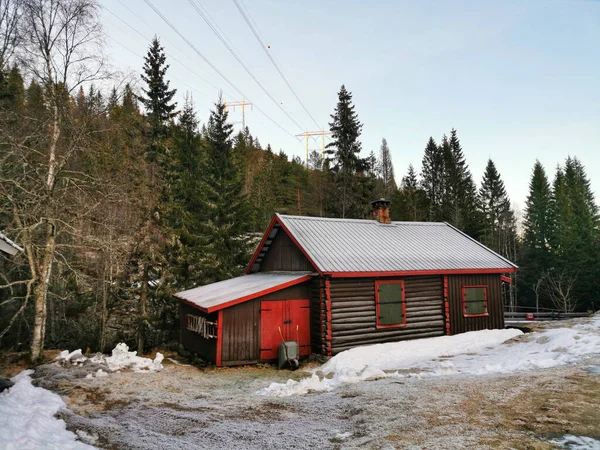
point(8, 246)
point(223, 294)
point(354, 246)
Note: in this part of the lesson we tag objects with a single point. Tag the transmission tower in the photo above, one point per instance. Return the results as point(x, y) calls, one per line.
point(308, 134)
point(243, 104)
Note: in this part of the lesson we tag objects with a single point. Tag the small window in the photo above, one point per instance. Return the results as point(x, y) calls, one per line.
point(390, 304)
point(474, 301)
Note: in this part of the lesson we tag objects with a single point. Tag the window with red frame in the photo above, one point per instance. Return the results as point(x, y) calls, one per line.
point(390, 304)
point(474, 301)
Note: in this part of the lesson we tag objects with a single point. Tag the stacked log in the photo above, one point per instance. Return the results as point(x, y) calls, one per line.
point(353, 312)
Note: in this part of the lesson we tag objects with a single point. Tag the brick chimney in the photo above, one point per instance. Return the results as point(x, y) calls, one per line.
point(381, 210)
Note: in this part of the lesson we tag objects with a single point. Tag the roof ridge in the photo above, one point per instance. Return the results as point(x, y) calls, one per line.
point(369, 221)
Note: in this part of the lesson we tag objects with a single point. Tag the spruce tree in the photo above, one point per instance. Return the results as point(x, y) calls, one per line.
point(343, 152)
point(432, 179)
point(575, 241)
point(499, 224)
point(538, 227)
point(227, 216)
point(408, 202)
point(460, 191)
point(386, 170)
point(158, 98)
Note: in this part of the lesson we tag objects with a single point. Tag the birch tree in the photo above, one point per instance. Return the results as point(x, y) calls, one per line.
point(60, 51)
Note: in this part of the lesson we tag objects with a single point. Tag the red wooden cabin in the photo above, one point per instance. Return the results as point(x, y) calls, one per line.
point(335, 284)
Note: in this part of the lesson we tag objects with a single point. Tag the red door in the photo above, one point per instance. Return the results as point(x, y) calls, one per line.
point(292, 317)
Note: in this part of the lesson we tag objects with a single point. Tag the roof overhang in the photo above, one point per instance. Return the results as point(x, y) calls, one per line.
point(8, 246)
point(208, 301)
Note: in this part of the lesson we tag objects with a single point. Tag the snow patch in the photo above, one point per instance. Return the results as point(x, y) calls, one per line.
point(27, 418)
point(577, 442)
point(121, 358)
point(475, 353)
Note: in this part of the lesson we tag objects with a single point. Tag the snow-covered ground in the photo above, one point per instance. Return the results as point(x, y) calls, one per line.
point(474, 390)
point(474, 353)
point(27, 418)
point(27, 412)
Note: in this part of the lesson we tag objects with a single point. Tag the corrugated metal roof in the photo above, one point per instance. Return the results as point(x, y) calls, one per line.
point(215, 296)
point(352, 245)
point(9, 246)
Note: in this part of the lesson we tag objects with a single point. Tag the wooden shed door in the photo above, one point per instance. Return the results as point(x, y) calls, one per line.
point(288, 315)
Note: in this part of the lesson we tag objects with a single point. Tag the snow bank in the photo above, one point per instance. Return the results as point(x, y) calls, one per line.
point(27, 418)
point(409, 354)
point(121, 358)
point(475, 353)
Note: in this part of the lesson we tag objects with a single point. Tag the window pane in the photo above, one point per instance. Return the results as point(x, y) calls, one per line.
point(475, 300)
point(390, 304)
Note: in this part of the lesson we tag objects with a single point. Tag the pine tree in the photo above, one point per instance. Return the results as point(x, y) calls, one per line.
point(344, 150)
point(227, 213)
point(432, 179)
point(386, 170)
point(158, 97)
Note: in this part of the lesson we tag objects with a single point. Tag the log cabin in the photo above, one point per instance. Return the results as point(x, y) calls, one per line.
point(334, 284)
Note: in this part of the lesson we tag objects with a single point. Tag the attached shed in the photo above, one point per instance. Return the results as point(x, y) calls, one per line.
point(335, 284)
point(7, 246)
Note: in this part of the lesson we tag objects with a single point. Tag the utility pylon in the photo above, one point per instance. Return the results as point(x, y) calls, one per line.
point(321, 133)
point(243, 104)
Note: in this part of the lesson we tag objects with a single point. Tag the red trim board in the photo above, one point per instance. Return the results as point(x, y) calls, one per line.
point(218, 362)
point(396, 325)
point(446, 305)
point(506, 279)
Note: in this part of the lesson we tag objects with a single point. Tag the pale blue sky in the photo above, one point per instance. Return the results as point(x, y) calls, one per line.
point(518, 80)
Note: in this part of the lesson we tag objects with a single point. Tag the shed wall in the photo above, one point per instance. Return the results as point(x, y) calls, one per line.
point(353, 311)
point(206, 348)
point(495, 318)
point(284, 255)
point(241, 326)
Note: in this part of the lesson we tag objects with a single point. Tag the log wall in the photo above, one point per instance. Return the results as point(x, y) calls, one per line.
point(495, 318)
point(353, 319)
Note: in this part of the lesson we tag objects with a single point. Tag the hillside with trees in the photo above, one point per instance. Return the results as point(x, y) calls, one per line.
point(121, 198)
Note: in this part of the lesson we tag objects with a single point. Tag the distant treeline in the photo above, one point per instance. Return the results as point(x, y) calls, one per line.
point(122, 198)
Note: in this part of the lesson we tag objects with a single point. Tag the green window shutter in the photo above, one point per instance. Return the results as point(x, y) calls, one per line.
point(390, 304)
point(475, 300)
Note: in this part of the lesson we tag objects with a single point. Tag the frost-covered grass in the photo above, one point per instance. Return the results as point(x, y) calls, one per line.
point(474, 353)
point(27, 418)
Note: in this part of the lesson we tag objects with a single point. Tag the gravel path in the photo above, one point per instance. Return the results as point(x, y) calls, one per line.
point(183, 407)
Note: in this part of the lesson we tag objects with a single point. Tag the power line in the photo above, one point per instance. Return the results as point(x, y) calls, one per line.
point(255, 31)
point(168, 54)
point(193, 47)
point(242, 63)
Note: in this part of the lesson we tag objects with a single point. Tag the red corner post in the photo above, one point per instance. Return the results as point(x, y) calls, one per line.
point(328, 314)
point(446, 305)
point(218, 362)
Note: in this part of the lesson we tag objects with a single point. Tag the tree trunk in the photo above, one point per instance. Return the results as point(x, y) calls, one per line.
point(40, 294)
point(143, 305)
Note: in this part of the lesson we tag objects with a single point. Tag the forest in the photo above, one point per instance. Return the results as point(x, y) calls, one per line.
point(121, 197)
